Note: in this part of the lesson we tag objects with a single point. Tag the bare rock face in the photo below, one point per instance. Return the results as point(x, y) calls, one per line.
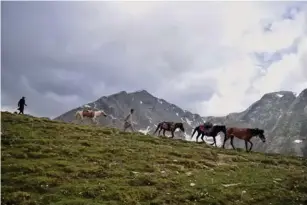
point(282, 115)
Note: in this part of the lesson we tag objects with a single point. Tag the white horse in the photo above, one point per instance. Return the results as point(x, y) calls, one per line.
point(91, 114)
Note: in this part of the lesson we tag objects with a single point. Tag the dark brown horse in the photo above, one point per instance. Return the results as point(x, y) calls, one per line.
point(169, 126)
point(214, 131)
point(244, 134)
point(201, 130)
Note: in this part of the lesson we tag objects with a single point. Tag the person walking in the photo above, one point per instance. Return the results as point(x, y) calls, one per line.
point(21, 105)
point(128, 121)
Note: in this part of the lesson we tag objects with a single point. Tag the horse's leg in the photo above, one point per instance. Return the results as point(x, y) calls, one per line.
point(93, 120)
point(81, 118)
point(250, 146)
point(159, 134)
point(202, 137)
point(198, 135)
point(76, 117)
point(225, 139)
point(97, 121)
point(172, 131)
point(246, 145)
point(158, 127)
point(231, 141)
point(164, 132)
point(193, 133)
point(214, 141)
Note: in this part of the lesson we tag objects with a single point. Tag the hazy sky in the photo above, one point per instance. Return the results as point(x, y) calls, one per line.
point(209, 57)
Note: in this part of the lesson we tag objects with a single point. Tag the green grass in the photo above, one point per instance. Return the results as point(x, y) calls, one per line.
point(48, 162)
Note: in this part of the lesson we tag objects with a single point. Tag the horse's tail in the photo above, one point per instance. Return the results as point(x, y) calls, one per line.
point(195, 129)
point(77, 114)
point(158, 127)
point(224, 130)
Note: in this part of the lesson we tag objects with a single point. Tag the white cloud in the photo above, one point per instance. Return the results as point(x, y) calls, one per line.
point(171, 49)
point(240, 81)
point(9, 109)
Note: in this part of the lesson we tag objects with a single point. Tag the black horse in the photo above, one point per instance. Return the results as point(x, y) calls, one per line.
point(201, 130)
point(169, 126)
point(214, 131)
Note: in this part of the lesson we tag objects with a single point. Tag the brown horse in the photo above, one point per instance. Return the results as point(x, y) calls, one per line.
point(244, 134)
point(169, 126)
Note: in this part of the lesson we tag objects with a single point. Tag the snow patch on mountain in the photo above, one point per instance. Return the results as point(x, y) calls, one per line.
point(279, 95)
point(188, 121)
point(145, 131)
point(298, 141)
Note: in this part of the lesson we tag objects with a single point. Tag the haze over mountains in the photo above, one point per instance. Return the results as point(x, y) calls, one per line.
point(283, 116)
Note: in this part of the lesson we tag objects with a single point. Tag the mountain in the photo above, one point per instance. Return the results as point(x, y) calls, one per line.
point(282, 115)
point(149, 111)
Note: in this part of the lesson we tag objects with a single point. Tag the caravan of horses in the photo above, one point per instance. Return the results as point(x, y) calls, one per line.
point(205, 129)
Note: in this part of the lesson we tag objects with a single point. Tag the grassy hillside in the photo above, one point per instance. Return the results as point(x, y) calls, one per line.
point(49, 162)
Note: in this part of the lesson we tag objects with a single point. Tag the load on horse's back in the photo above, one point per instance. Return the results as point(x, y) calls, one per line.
point(202, 130)
point(88, 113)
point(91, 114)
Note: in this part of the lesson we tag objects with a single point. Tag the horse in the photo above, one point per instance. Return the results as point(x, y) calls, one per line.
point(214, 131)
point(90, 114)
point(169, 126)
point(244, 134)
point(201, 130)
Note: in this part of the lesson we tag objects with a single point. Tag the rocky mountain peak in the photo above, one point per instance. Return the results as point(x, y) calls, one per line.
point(277, 95)
point(121, 93)
point(303, 94)
point(142, 95)
point(143, 92)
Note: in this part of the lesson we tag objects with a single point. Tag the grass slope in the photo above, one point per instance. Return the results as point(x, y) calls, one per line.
point(48, 162)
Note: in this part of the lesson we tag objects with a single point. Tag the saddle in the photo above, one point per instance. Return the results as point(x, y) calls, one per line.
point(88, 113)
point(202, 128)
point(205, 127)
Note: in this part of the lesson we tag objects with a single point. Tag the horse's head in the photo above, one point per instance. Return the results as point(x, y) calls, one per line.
point(180, 126)
point(259, 132)
point(101, 112)
point(219, 128)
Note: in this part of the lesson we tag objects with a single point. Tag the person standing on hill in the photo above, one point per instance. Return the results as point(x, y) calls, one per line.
point(21, 105)
point(128, 121)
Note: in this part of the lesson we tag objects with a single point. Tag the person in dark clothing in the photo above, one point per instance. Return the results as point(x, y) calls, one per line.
point(21, 105)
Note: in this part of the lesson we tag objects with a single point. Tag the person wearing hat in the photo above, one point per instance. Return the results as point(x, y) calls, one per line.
point(128, 121)
point(21, 105)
